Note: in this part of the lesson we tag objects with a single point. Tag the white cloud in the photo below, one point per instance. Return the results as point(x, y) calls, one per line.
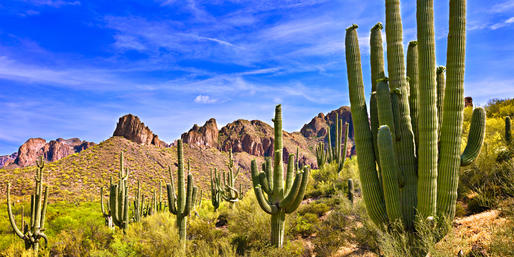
point(204, 99)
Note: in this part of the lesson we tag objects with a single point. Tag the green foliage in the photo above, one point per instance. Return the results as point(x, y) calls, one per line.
point(500, 108)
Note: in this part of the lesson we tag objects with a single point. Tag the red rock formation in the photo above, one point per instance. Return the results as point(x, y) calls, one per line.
point(131, 128)
point(204, 136)
point(52, 151)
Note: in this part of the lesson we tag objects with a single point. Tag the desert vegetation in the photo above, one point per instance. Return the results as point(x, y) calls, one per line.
point(427, 176)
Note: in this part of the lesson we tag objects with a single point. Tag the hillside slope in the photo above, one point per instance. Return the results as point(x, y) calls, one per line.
point(82, 174)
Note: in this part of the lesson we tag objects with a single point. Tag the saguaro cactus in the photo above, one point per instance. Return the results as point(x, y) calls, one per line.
point(230, 193)
point(418, 141)
point(216, 190)
point(281, 199)
point(33, 232)
point(321, 155)
point(180, 204)
point(118, 203)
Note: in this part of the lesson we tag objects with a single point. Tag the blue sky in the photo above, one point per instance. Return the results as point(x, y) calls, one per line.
point(70, 68)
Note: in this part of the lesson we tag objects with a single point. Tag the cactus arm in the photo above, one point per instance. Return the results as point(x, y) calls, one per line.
point(289, 174)
point(475, 137)
point(291, 195)
point(453, 107)
point(32, 208)
point(371, 188)
point(329, 157)
point(189, 197)
point(301, 192)
point(390, 171)
point(265, 206)
point(125, 209)
point(12, 220)
point(412, 74)
point(264, 183)
point(377, 72)
point(171, 199)
point(345, 144)
point(268, 170)
point(43, 211)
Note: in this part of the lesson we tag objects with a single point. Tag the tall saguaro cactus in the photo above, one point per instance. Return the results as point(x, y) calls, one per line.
point(33, 232)
point(417, 144)
point(180, 204)
point(281, 199)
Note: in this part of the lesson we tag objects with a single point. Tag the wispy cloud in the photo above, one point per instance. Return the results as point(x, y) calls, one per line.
point(204, 99)
point(498, 25)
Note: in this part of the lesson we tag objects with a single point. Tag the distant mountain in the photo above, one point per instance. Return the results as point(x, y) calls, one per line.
point(78, 168)
point(51, 151)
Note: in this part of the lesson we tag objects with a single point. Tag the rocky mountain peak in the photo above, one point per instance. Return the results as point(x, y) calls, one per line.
point(131, 128)
point(204, 136)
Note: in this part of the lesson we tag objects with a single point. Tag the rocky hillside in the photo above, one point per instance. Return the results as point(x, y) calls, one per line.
point(83, 173)
point(256, 137)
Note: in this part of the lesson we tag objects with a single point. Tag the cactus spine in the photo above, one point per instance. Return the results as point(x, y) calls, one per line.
point(180, 204)
point(33, 232)
point(281, 199)
point(418, 161)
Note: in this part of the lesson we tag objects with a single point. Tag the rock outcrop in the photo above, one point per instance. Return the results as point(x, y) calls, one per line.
point(204, 136)
point(318, 126)
point(51, 151)
point(131, 128)
point(8, 159)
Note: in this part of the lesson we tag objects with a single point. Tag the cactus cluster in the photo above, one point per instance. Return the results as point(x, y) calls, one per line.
point(180, 204)
point(33, 232)
point(337, 153)
point(409, 149)
point(280, 198)
point(118, 198)
point(223, 186)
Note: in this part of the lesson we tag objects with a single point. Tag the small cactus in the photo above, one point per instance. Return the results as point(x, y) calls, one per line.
point(350, 190)
point(216, 190)
point(32, 233)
